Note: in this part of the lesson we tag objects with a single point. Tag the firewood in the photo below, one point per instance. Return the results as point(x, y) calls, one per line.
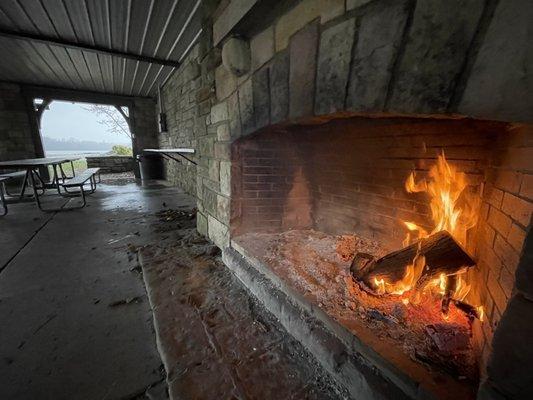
point(442, 255)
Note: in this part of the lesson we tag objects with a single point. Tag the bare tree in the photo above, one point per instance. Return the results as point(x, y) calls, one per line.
point(111, 117)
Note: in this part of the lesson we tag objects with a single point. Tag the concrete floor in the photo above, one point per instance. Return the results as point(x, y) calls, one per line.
point(75, 319)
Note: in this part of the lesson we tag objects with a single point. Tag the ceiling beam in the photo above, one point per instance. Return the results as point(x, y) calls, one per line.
point(82, 96)
point(30, 37)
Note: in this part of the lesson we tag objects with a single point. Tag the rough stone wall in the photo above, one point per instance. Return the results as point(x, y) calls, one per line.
point(383, 56)
point(144, 125)
point(327, 56)
point(15, 132)
point(187, 99)
point(111, 163)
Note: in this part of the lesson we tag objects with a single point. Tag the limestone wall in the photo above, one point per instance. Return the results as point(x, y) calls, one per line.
point(380, 57)
point(15, 132)
point(111, 163)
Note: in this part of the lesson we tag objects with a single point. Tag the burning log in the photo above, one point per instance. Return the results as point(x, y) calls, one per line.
point(443, 255)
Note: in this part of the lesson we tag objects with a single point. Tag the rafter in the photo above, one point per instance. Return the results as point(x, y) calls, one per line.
point(34, 38)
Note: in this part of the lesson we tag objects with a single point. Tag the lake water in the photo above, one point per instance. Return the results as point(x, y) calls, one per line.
point(81, 153)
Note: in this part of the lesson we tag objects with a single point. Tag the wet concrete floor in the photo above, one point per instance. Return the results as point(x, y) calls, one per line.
point(76, 321)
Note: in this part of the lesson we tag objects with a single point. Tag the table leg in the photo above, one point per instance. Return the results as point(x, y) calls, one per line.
point(35, 192)
point(56, 176)
point(3, 199)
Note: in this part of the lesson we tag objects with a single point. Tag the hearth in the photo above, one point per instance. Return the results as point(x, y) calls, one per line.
point(387, 225)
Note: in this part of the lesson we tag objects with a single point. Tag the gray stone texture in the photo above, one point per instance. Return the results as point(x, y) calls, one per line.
point(226, 82)
point(351, 4)
point(434, 55)
point(511, 362)
point(378, 40)
point(188, 107)
point(500, 84)
point(524, 272)
point(303, 51)
point(262, 47)
point(234, 116)
point(111, 163)
point(279, 87)
point(15, 131)
point(333, 67)
point(236, 56)
point(246, 107)
point(261, 96)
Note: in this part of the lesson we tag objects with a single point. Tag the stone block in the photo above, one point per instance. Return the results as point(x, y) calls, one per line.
point(279, 87)
point(223, 150)
point(334, 57)
point(218, 232)
point(500, 85)
point(225, 177)
point(191, 71)
point(261, 98)
point(302, 51)
point(511, 361)
point(524, 272)
point(225, 82)
point(378, 40)
point(438, 41)
point(262, 47)
point(214, 170)
point(351, 4)
point(229, 17)
point(246, 107)
point(223, 209)
point(209, 200)
point(219, 112)
point(236, 56)
point(206, 146)
point(234, 115)
point(201, 223)
point(305, 12)
point(223, 132)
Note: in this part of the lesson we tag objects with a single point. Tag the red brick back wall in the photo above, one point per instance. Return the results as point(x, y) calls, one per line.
point(269, 190)
point(357, 171)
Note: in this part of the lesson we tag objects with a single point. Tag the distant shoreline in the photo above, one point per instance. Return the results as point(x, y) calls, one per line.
point(84, 153)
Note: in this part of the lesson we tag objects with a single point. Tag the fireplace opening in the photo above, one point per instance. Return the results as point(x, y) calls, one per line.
point(383, 223)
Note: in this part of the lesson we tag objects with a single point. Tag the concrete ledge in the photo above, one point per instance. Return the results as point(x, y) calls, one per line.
point(351, 361)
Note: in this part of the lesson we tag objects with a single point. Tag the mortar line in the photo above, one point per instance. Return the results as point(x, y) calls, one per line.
point(27, 242)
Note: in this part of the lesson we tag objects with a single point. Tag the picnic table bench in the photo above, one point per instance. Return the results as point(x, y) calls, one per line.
point(3, 179)
point(15, 175)
point(60, 179)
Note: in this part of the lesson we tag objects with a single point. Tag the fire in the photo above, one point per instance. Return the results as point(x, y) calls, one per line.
point(450, 211)
point(444, 187)
point(412, 274)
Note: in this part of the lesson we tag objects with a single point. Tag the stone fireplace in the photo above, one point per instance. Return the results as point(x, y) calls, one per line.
point(308, 117)
point(310, 187)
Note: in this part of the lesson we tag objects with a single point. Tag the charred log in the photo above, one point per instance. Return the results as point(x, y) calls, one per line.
point(443, 255)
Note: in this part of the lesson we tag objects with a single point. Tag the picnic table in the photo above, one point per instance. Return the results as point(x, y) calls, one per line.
point(32, 177)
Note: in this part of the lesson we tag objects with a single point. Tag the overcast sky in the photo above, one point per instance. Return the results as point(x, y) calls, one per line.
point(65, 120)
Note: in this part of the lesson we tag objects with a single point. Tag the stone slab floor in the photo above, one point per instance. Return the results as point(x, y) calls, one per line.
point(76, 322)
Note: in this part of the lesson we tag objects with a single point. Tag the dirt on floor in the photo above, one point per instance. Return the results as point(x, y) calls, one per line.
point(118, 178)
point(216, 340)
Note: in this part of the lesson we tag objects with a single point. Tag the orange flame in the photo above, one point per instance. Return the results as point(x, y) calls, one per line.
point(450, 211)
point(444, 187)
